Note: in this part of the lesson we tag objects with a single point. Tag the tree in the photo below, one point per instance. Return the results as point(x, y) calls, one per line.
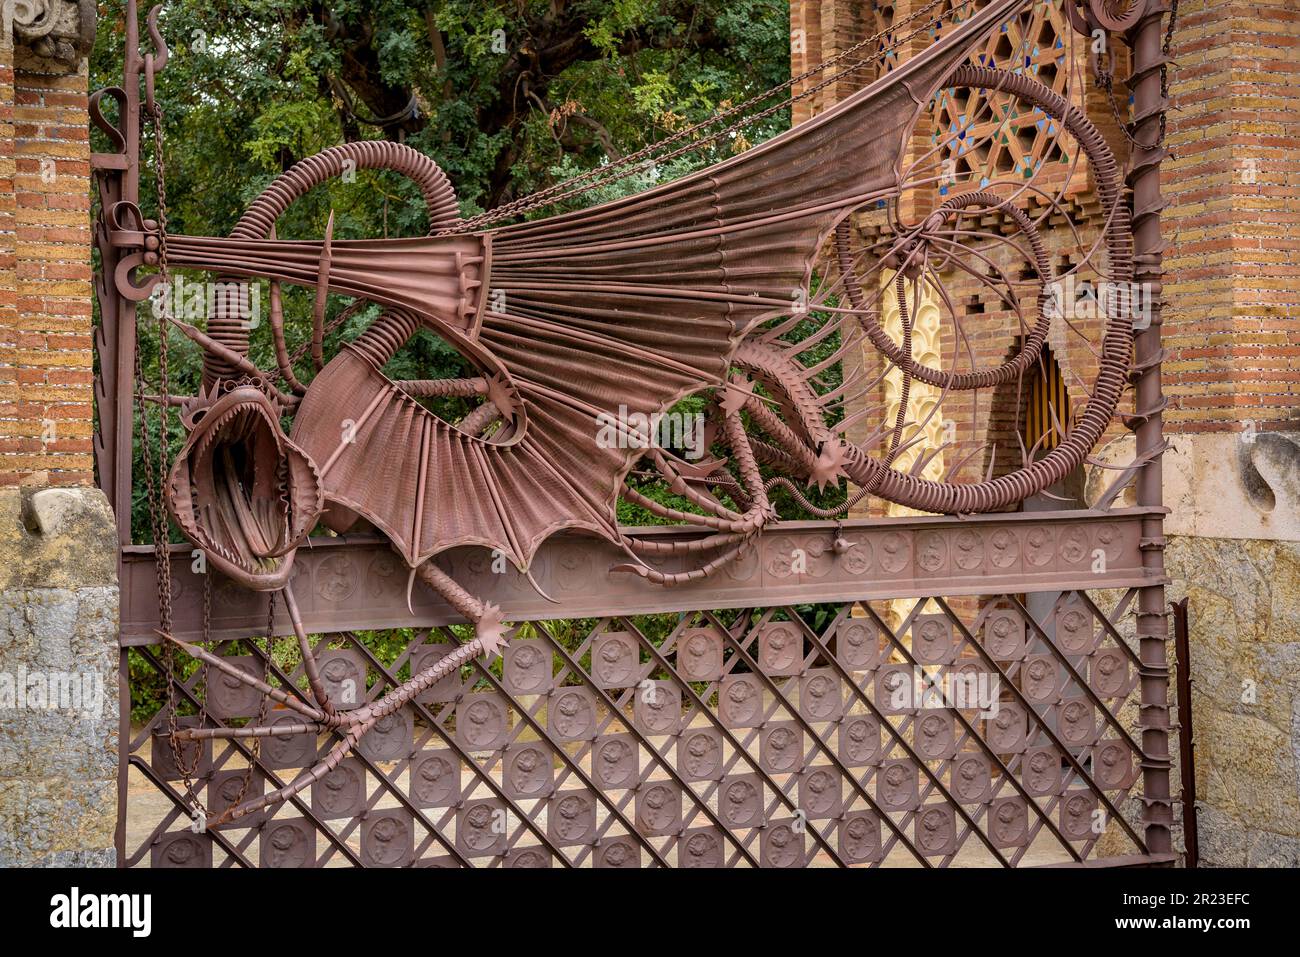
point(506, 96)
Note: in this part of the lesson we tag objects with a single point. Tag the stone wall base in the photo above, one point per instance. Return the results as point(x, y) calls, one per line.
point(58, 678)
point(1245, 668)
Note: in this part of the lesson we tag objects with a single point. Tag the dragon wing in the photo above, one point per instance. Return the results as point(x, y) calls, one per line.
point(623, 307)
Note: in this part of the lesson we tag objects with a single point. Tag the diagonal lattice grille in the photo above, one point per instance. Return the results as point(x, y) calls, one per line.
point(972, 733)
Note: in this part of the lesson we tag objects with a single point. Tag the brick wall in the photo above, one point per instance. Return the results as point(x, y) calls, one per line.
point(986, 424)
point(46, 419)
point(1233, 321)
point(8, 256)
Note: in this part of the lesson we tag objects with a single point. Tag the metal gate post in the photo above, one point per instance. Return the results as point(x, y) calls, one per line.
point(117, 178)
point(1152, 624)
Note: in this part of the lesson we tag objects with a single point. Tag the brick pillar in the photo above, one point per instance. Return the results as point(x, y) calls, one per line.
point(58, 546)
point(821, 30)
point(45, 311)
point(1234, 188)
point(8, 251)
point(805, 51)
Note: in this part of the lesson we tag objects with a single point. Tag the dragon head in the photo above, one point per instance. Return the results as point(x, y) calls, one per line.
point(240, 490)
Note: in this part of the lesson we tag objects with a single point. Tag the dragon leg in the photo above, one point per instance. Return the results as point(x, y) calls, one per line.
point(488, 639)
point(309, 663)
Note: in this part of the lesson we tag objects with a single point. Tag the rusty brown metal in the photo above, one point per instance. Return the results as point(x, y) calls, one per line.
point(789, 764)
point(241, 490)
point(1150, 60)
point(357, 581)
point(749, 286)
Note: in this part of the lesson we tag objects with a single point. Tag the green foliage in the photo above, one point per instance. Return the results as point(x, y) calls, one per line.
point(507, 93)
point(510, 97)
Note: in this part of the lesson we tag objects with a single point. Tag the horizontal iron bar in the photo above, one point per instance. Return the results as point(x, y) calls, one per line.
point(358, 582)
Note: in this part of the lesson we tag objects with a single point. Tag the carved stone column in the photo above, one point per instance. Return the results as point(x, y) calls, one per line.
point(51, 37)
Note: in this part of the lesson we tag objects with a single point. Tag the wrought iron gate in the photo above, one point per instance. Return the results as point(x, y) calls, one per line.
point(982, 689)
point(971, 733)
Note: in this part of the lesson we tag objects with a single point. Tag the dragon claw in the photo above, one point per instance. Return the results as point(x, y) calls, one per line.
point(491, 631)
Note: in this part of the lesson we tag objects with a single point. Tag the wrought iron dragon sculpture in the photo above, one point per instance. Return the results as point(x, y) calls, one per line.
point(680, 291)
